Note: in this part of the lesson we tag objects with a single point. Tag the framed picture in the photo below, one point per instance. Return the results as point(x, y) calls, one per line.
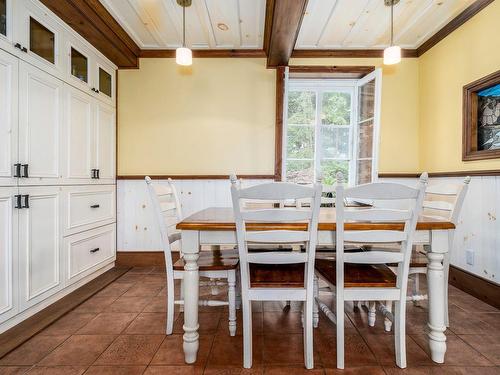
point(481, 118)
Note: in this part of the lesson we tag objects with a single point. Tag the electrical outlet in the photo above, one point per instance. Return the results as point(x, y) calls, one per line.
point(469, 257)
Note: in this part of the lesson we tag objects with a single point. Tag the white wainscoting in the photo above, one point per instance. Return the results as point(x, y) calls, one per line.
point(479, 225)
point(479, 228)
point(137, 230)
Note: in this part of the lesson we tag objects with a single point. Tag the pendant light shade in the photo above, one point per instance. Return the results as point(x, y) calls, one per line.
point(183, 55)
point(392, 54)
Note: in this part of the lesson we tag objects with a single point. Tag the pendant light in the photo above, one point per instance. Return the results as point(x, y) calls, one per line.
point(392, 54)
point(183, 55)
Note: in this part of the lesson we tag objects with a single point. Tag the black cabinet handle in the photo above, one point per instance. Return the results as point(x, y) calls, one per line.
point(17, 45)
point(26, 201)
point(17, 170)
point(95, 206)
point(24, 49)
point(95, 250)
point(25, 170)
point(98, 173)
point(19, 205)
point(97, 91)
point(93, 173)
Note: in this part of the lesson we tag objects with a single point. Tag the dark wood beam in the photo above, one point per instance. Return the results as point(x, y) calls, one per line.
point(454, 24)
point(93, 22)
point(170, 53)
point(330, 71)
point(348, 53)
point(278, 130)
point(282, 25)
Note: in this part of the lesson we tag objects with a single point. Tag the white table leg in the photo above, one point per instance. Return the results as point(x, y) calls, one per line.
point(190, 249)
point(435, 282)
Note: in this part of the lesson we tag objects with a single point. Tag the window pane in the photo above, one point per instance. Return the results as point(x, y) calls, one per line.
point(367, 101)
point(365, 139)
point(329, 169)
point(300, 142)
point(364, 172)
point(79, 65)
point(301, 107)
point(3, 17)
point(104, 82)
point(334, 142)
point(300, 171)
point(41, 41)
point(336, 108)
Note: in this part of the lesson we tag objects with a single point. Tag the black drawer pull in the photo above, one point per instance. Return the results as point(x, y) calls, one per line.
point(95, 250)
point(26, 201)
point(98, 173)
point(95, 206)
point(18, 198)
point(25, 170)
point(17, 170)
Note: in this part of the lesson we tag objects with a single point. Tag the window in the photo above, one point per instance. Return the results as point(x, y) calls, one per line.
point(42, 41)
point(330, 127)
point(104, 82)
point(79, 65)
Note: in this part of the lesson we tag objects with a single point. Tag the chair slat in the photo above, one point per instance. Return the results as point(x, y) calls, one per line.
point(439, 205)
point(383, 191)
point(278, 236)
point(276, 215)
point(276, 191)
point(162, 189)
point(443, 189)
point(277, 257)
point(374, 257)
point(377, 214)
point(375, 236)
point(167, 206)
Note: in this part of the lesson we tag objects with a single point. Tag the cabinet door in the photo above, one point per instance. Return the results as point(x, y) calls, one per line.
point(6, 24)
point(104, 82)
point(8, 117)
point(105, 129)
point(79, 133)
point(40, 124)
point(40, 263)
point(79, 70)
point(8, 253)
point(39, 36)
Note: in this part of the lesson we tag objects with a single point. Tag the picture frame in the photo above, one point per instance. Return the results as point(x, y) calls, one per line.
point(481, 119)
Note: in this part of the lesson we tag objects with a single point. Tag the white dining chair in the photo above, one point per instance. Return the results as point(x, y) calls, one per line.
point(364, 276)
point(444, 201)
point(276, 275)
point(212, 265)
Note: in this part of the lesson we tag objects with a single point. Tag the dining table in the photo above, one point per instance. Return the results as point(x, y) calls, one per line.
point(216, 226)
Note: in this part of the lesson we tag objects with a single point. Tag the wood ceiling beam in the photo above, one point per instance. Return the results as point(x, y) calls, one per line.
point(93, 22)
point(454, 24)
point(282, 25)
point(348, 53)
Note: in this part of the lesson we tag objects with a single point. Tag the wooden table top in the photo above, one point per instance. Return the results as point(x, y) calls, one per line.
point(222, 218)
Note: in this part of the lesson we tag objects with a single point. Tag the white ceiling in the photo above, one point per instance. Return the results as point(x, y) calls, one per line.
point(327, 24)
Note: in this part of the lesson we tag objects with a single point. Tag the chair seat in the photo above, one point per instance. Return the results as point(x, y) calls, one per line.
point(213, 261)
point(276, 275)
point(357, 275)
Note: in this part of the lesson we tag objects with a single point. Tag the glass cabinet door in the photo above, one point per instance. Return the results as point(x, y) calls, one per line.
point(42, 41)
point(79, 65)
point(105, 85)
point(3, 17)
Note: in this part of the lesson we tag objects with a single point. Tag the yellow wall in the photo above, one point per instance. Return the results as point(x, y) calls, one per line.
point(469, 53)
point(219, 115)
point(214, 118)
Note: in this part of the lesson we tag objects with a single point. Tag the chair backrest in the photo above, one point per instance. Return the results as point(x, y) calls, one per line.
point(403, 237)
point(166, 206)
point(280, 234)
point(445, 200)
point(327, 197)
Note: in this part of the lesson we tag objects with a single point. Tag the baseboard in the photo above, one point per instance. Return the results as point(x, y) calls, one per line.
point(476, 286)
point(23, 331)
point(141, 258)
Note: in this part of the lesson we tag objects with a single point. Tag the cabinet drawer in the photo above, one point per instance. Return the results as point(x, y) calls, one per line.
point(89, 251)
point(88, 207)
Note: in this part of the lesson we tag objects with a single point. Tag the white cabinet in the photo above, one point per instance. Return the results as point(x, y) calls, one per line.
point(8, 253)
point(40, 263)
point(8, 117)
point(79, 134)
point(6, 24)
point(40, 123)
point(104, 82)
point(105, 148)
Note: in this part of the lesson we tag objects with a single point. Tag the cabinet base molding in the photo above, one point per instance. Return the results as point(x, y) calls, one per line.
point(22, 327)
point(142, 258)
point(476, 286)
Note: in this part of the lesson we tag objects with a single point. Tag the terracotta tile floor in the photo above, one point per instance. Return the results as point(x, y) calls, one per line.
point(120, 330)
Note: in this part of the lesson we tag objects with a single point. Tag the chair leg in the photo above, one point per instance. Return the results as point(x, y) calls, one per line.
point(238, 290)
point(372, 313)
point(315, 310)
point(247, 333)
point(387, 321)
point(308, 334)
point(446, 287)
point(181, 294)
point(340, 332)
point(231, 296)
point(400, 332)
point(170, 312)
point(416, 287)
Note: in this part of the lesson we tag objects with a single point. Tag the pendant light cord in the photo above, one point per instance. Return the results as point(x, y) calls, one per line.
point(184, 26)
point(392, 23)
